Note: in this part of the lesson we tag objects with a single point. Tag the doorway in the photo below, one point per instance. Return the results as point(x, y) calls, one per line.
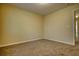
point(76, 20)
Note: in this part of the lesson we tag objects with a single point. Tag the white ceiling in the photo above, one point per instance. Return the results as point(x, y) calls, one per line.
point(41, 8)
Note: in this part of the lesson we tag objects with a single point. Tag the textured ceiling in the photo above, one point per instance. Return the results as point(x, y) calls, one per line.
point(41, 8)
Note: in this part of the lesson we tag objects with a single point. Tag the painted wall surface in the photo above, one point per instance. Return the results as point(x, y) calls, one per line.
point(19, 25)
point(59, 26)
point(0, 25)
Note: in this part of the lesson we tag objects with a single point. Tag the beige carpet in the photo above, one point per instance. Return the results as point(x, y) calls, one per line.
point(40, 48)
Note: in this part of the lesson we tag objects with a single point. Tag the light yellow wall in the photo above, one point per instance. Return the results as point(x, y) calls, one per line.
point(0, 24)
point(59, 26)
point(20, 25)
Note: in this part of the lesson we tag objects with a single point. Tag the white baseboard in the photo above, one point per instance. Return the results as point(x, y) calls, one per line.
point(4, 45)
point(9, 44)
point(73, 44)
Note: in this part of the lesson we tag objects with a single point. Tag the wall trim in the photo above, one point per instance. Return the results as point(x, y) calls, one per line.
point(69, 43)
point(19, 42)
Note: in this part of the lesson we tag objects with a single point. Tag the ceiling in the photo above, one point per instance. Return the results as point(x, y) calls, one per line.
point(42, 8)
